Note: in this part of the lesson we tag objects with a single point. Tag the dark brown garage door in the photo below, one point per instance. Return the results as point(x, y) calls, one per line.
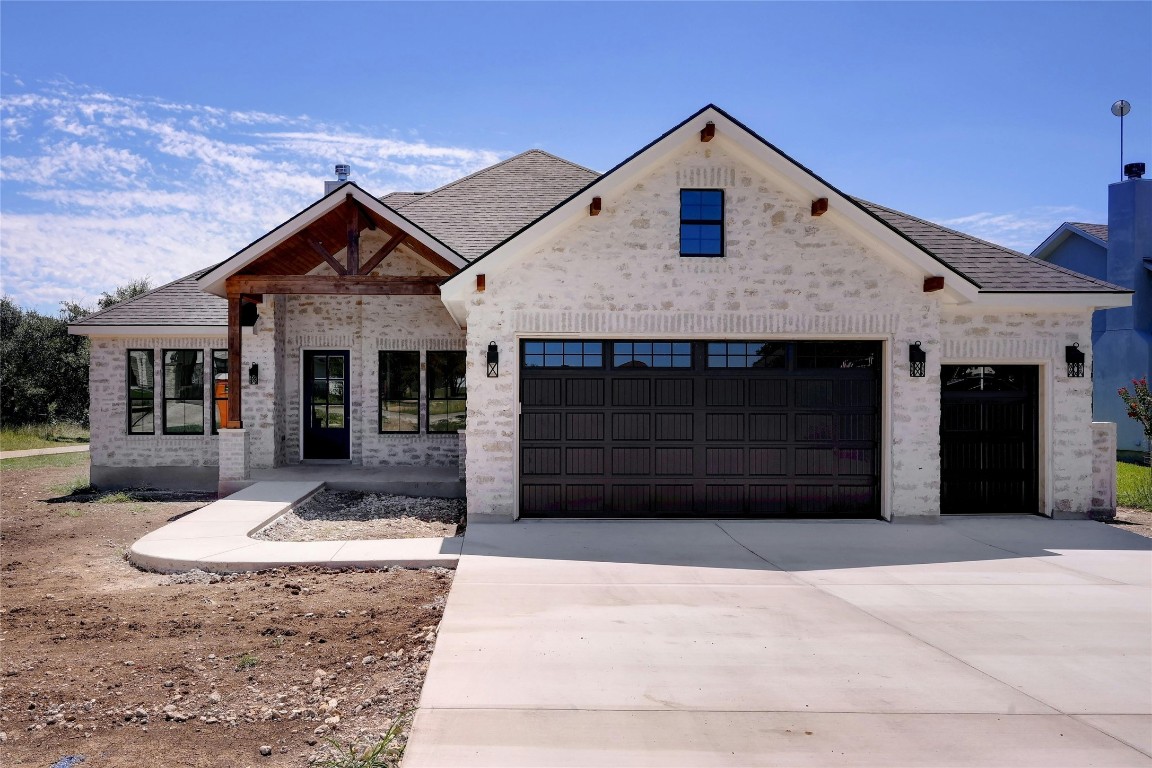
point(989, 439)
point(705, 428)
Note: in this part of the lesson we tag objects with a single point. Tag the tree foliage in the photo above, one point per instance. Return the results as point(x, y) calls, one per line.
point(1139, 403)
point(43, 368)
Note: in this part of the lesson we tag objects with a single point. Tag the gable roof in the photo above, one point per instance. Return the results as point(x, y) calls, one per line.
point(178, 305)
point(1093, 233)
point(477, 212)
point(994, 268)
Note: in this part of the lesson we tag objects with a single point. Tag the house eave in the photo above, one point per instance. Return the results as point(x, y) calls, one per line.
point(1036, 301)
point(1062, 233)
point(148, 330)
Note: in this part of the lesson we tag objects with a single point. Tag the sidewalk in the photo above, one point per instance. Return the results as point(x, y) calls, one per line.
point(42, 451)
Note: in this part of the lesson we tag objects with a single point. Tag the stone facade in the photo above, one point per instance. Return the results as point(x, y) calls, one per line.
point(1103, 469)
point(785, 274)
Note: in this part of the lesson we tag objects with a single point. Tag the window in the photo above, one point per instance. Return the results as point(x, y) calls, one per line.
point(183, 392)
point(701, 222)
point(399, 391)
point(747, 354)
point(219, 388)
point(837, 354)
point(447, 392)
point(563, 354)
point(329, 403)
point(141, 392)
point(651, 354)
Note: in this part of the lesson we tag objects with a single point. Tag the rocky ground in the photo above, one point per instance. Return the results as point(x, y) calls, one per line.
point(348, 515)
point(1134, 520)
point(131, 669)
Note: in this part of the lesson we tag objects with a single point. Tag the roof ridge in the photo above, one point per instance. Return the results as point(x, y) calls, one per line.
point(197, 274)
point(494, 166)
point(1084, 224)
point(998, 247)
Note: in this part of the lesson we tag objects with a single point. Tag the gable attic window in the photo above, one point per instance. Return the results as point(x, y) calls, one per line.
point(141, 392)
point(183, 392)
point(701, 222)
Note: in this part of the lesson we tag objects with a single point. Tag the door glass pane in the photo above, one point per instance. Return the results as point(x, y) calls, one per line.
point(320, 367)
point(319, 416)
point(335, 417)
point(320, 391)
point(336, 392)
point(336, 367)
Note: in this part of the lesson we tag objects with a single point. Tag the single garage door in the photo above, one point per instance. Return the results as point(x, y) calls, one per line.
point(989, 439)
point(668, 428)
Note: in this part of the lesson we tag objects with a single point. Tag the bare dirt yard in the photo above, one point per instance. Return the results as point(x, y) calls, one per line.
point(135, 669)
point(1134, 520)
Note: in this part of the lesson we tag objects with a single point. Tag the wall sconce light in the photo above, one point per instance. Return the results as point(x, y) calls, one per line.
point(916, 361)
point(493, 360)
point(1075, 359)
point(254, 373)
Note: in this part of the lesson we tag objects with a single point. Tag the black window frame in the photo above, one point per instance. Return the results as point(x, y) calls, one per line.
point(383, 373)
point(562, 353)
point(165, 399)
point(460, 385)
point(696, 221)
point(132, 398)
point(649, 353)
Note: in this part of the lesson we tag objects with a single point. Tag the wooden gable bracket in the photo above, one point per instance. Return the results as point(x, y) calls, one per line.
point(594, 207)
point(708, 132)
point(365, 215)
point(934, 283)
point(337, 267)
point(820, 206)
point(354, 218)
point(385, 249)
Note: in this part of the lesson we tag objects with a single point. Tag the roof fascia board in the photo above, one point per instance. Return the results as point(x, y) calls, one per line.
point(1032, 302)
point(1062, 233)
point(149, 330)
point(213, 282)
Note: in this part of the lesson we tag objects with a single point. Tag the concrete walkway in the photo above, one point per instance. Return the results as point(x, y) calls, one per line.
point(215, 538)
point(42, 451)
point(977, 642)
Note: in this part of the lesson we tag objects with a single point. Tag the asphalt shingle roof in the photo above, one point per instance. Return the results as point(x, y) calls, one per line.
point(180, 302)
point(1096, 230)
point(475, 213)
point(994, 268)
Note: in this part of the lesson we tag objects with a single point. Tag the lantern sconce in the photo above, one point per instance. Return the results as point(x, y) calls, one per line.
point(1075, 359)
point(916, 361)
point(254, 374)
point(493, 360)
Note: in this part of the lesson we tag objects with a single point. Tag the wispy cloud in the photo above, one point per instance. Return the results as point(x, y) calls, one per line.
point(99, 189)
point(1020, 230)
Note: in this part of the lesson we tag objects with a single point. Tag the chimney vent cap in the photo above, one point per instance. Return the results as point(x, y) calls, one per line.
point(1134, 170)
point(342, 171)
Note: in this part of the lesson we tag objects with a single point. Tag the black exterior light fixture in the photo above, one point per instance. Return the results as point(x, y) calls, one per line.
point(493, 360)
point(916, 361)
point(1075, 359)
point(254, 373)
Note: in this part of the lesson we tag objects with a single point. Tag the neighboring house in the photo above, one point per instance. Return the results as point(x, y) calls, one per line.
point(706, 329)
point(1120, 253)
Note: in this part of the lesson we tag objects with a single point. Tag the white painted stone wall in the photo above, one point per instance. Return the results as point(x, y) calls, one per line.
point(1104, 468)
point(785, 275)
point(1030, 338)
point(111, 444)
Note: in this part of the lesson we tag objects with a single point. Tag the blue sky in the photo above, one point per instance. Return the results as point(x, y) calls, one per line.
point(158, 138)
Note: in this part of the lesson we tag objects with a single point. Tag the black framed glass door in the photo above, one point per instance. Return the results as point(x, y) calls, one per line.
point(327, 432)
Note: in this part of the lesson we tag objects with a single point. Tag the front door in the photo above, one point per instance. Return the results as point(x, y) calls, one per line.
point(326, 418)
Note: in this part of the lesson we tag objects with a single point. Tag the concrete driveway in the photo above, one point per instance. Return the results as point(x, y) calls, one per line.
point(976, 642)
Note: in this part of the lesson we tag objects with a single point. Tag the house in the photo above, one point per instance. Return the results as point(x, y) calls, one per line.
point(1121, 253)
point(709, 328)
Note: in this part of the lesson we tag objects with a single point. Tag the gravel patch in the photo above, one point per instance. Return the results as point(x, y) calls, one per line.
point(349, 515)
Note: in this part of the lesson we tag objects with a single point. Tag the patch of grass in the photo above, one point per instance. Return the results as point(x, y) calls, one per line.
point(42, 436)
point(116, 497)
point(73, 512)
point(247, 661)
point(79, 459)
point(79, 484)
point(1133, 486)
point(383, 754)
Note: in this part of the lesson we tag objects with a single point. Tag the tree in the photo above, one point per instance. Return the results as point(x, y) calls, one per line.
point(1139, 403)
point(124, 292)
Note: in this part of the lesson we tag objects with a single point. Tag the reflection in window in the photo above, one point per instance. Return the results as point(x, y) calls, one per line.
point(747, 354)
point(983, 378)
point(651, 354)
point(701, 222)
point(563, 354)
point(837, 354)
point(399, 391)
point(183, 392)
point(141, 392)
point(219, 388)
point(329, 405)
point(447, 392)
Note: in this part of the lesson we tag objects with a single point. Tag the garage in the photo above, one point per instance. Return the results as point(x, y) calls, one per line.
point(691, 428)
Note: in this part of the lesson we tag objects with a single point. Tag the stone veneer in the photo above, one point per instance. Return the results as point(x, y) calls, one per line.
point(785, 275)
point(1103, 469)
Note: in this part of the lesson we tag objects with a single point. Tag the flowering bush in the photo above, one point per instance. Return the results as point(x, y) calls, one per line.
point(1139, 403)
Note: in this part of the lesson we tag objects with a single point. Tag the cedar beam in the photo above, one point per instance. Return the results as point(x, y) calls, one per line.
point(336, 266)
point(378, 257)
point(235, 300)
point(351, 285)
point(353, 236)
point(365, 214)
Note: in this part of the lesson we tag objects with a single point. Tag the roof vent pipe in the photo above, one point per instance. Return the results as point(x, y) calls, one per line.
point(342, 172)
point(1134, 171)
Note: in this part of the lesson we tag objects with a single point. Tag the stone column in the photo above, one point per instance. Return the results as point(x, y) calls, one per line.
point(1103, 469)
point(234, 468)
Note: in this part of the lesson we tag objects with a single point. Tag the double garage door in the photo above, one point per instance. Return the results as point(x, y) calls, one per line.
point(699, 428)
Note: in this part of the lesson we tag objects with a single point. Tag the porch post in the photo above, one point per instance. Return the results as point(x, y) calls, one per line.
point(234, 360)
